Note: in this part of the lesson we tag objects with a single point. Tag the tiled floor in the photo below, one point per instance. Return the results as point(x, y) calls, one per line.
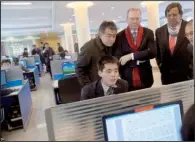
point(43, 98)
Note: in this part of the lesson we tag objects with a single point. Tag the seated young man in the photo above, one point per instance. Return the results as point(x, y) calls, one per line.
point(16, 63)
point(5, 63)
point(109, 83)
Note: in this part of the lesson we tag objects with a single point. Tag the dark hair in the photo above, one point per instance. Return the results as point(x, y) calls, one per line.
point(187, 130)
point(41, 42)
point(34, 45)
point(25, 48)
point(16, 61)
point(106, 60)
point(5, 61)
point(107, 24)
point(62, 54)
point(173, 5)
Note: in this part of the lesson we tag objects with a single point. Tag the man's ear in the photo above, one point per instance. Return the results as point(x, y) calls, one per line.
point(100, 73)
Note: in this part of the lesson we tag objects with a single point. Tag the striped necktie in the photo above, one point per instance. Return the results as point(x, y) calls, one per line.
point(110, 91)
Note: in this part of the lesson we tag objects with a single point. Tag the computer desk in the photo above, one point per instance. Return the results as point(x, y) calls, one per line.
point(33, 77)
point(25, 103)
point(56, 92)
point(39, 66)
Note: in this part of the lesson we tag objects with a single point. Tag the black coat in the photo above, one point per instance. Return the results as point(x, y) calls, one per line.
point(147, 51)
point(177, 67)
point(95, 89)
point(48, 55)
point(86, 65)
point(36, 51)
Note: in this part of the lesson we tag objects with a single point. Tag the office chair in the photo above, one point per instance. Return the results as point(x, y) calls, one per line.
point(69, 89)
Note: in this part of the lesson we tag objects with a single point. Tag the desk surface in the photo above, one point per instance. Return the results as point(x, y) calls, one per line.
point(55, 84)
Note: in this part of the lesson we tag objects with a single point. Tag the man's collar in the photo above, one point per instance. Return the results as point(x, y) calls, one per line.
point(105, 87)
point(99, 43)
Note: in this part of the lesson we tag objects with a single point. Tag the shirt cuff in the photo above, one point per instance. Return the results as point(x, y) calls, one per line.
point(132, 56)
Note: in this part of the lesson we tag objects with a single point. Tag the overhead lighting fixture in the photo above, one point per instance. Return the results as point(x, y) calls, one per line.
point(16, 3)
point(144, 3)
point(70, 19)
point(91, 21)
point(78, 4)
point(102, 13)
point(119, 17)
point(73, 15)
point(112, 7)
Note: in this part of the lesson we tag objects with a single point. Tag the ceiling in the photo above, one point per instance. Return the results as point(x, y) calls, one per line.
point(46, 16)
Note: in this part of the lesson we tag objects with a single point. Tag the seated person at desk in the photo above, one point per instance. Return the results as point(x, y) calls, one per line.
point(25, 53)
point(63, 54)
point(109, 83)
point(5, 63)
point(16, 63)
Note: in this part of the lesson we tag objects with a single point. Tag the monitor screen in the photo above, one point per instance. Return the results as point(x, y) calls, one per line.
point(23, 62)
point(67, 57)
point(161, 123)
point(3, 77)
point(68, 68)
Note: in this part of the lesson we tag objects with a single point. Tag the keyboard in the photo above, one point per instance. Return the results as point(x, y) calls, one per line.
point(5, 92)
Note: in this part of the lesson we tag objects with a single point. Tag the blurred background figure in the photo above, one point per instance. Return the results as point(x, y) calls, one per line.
point(25, 53)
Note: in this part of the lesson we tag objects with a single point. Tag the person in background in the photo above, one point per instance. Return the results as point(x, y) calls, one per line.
point(25, 53)
point(134, 47)
point(187, 130)
point(16, 63)
point(60, 48)
point(48, 53)
point(76, 47)
point(109, 83)
point(42, 47)
point(93, 50)
point(36, 51)
point(189, 34)
point(173, 57)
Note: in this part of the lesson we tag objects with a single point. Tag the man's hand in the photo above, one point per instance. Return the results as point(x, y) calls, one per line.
point(124, 59)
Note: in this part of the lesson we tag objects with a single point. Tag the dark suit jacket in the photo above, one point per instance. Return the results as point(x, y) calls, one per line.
point(146, 52)
point(86, 65)
point(48, 54)
point(174, 68)
point(95, 89)
point(36, 51)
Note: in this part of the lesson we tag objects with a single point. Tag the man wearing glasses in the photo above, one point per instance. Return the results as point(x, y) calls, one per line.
point(173, 57)
point(134, 47)
point(93, 50)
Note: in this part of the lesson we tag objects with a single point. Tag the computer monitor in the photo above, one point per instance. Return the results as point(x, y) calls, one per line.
point(68, 57)
point(23, 62)
point(68, 68)
point(150, 123)
point(3, 77)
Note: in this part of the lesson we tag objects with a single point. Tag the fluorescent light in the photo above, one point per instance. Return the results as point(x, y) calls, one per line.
point(16, 3)
point(102, 13)
point(119, 17)
point(112, 7)
point(91, 21)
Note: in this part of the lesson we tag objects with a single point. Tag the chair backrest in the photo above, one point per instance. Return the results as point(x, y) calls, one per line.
point(69, 89)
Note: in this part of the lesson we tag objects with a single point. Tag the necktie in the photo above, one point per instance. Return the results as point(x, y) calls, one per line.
point(110, 91)
point(172, 43)
point(134, 34)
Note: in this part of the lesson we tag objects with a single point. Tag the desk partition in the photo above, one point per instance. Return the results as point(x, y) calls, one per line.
point(82, 120)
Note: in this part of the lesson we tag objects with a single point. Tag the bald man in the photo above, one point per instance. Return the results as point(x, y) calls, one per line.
point(189, 34)
point(134, 47)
